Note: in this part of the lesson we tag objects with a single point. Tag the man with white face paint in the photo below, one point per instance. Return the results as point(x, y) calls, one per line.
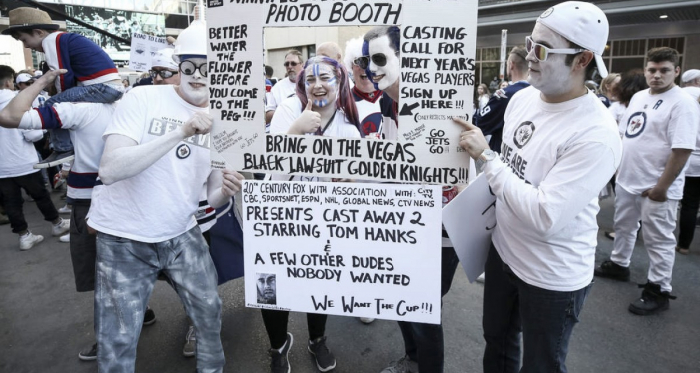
point(423, 343)
point(294, 64)
point(154, 165)
point(560, 147)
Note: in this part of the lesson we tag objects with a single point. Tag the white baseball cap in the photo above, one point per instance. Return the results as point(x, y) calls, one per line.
point(581, 23)
point(690, 75)
point(164, 58)
point(23, 78)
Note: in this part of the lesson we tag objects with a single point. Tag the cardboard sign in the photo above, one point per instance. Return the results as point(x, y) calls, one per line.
point(143, 48)
point(437, 77)
point(469, 221)
point(363, 250)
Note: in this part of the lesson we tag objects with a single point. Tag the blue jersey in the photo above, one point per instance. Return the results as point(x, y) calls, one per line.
point(490, 118)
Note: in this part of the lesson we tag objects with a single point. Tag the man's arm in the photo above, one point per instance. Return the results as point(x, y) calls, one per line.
point(123, 157)
point(268, 116)
point(222, 185)
point(11, 115)
point(674, 165)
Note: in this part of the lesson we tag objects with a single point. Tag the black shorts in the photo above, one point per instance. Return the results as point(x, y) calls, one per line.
point(83, 247)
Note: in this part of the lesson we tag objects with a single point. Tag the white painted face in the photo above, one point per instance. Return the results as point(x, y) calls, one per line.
point(193, 88)
point(380, 50)
point(362, 82)
point(321, 84)
point(551, 77)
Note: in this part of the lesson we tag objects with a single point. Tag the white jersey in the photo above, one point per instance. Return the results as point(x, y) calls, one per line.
point(655, 125)
point(16, 150)
point(290, 110)
point(555, 159)
point(693, 169)
point(618, 111)
point(280, 92)
point(160, 202)
point(86, 122)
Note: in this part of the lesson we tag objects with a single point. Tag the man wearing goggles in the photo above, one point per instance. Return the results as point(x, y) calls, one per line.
point(559, 148)
point(164, 70)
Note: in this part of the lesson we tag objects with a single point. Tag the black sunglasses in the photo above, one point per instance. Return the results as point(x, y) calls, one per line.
point(361, 62)
point(379, 59)
point(290, 63)
point(164, 74)
point(188, 68)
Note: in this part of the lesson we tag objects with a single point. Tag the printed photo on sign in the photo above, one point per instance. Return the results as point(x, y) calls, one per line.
point(363, 250)
point(394, 97)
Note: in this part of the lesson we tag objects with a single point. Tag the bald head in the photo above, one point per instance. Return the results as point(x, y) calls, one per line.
point(330, 50)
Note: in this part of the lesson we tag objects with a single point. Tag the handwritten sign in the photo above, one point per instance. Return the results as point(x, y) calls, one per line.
point(437, 77)
point(364, 250)
point(143, 47)
point(469, 220)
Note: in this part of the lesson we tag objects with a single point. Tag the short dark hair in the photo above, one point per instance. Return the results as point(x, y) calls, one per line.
point(519, 58)
point(663, 54)
point(392, 32)
point(590, 68)
point(6, 74)
point(268, 70)
point(15, 34)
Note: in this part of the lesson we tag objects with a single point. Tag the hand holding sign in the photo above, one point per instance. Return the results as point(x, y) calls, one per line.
point(308, 122)
point(232, 182)
point(471, 139)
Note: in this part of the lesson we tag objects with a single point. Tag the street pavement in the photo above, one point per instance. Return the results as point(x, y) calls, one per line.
point(44, 322)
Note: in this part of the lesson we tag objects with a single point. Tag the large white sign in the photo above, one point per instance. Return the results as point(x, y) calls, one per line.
point(365, 250)
point(143, 47)
point(438, 44)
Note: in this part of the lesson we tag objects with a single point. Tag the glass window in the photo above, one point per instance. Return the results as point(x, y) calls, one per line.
point(622, 65)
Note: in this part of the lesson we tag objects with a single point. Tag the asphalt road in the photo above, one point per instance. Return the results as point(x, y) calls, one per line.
point(44, 322)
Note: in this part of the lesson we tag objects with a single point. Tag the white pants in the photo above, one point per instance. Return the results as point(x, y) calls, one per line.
point(658, 223)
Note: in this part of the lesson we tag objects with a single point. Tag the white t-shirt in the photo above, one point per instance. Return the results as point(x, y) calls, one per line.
point(655, 125)
point(290, 110)
point(279, 92)
point(86, 122)
point(160, 202)
point(483, 101)
point(17, 154)
point(554, 161)
point(618, 111)
point(693, 169)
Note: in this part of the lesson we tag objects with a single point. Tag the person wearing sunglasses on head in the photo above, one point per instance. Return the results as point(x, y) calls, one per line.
point(423, 343)
point(560, 147)
point(164, 70)
point(285, 88)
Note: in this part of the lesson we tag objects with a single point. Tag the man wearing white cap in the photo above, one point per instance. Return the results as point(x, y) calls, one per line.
point(560, 147)
point(691, 83)
point(164, 69)
point(23, 81)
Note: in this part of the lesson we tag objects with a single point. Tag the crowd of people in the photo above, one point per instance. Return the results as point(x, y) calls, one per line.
point(545, 142)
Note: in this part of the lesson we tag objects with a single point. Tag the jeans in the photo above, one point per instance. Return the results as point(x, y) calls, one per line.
point(545, 317)
point(276, 326)
point(11, 191)
point(99, 93)
point(125, 273)
point(689, 211)
point(424, 343)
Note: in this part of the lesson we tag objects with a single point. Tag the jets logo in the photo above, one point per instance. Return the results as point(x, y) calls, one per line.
point(523, 134)
point(636, 124)
point(183, 151)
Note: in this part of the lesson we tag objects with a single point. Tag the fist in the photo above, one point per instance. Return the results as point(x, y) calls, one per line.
point(199, 124)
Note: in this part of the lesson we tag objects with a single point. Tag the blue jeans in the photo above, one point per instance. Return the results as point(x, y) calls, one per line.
point(99, 93)
point(546, 319)
point(125, 273)
point(425, 343)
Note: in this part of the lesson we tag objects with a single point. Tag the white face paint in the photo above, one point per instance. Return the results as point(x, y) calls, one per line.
point(321, 84)
point(551, 77)
point(387, 74)
point(193, 88)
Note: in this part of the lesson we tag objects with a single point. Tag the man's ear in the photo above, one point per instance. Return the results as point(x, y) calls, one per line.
point(583, 59)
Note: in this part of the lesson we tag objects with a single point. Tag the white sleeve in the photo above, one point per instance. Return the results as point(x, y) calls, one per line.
point(683, 126)
point(271, 102)
point(128, 117)
point(32, 135)
point(575, 179)
point(284, 117)
point(30, 121)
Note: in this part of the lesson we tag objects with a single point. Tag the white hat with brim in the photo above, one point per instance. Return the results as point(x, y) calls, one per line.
point(690, 75)
point(23, 78)
point(164, 58)
point(581, 23)
point(25, 18)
